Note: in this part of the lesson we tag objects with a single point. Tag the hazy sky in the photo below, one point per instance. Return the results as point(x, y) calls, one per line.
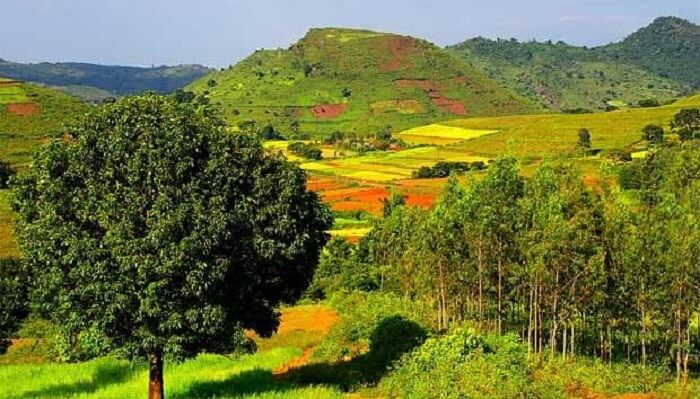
point(221, 32)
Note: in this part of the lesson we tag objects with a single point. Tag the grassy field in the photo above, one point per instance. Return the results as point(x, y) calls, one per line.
point(207, 376)
point(41, 113)
point(389, 166)
point(536, 136)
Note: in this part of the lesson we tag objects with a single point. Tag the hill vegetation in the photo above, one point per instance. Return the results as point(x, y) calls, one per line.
point(30, 113)
point(354, 81)
point(94, 82)
point(655, 64)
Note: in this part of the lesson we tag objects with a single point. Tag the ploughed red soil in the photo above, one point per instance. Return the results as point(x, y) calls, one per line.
point(433, 89)
point(22, 109)
point(328, 111)
point(401, 47)
point(369, 199)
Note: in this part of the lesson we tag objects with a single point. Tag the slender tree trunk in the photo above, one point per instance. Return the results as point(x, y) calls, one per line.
point(156, 388)
point(529, 324)
point(573, 339)
point(480, 262)
point(563, 343)
point(500, 291)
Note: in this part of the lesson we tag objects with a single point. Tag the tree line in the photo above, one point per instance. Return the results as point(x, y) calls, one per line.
point(572, 268)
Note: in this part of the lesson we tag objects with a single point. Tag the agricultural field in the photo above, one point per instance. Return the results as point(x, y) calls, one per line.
point(537, 136)
point(441, 134)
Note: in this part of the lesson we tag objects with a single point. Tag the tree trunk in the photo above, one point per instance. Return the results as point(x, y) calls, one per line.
point(156, 389)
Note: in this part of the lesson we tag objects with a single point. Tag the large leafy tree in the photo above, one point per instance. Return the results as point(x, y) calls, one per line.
point(151, 225)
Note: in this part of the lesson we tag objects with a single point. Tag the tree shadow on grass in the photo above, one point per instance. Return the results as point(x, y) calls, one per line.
point(392, 337)
point(246, 383)
point(104, 375)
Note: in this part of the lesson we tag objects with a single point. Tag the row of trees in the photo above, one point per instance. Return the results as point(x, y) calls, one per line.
point(571, 268)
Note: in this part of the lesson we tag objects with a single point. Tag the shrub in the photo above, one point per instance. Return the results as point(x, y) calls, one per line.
point(462, 364)
point(305, 151)
point(6, 172)
point(444, 169)
point(360, 315)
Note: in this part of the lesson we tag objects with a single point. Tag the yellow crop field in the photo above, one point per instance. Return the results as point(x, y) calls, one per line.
point(442, 134)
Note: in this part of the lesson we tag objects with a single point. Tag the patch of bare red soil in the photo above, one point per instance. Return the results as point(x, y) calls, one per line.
point(22, 109)
point(433, 89)
point(401, 48)
point(423, 201)
point(328, 111)
point(365, 195)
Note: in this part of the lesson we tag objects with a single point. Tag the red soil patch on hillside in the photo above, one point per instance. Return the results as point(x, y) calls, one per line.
point(401, 48)
point(433, 89)
point(328, 111)
point(22, 109)
point(358, 195)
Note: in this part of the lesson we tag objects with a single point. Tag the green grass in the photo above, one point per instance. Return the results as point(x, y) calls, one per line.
point(21, 135)
point(207, 376)
point(529, 136)
point(272, 86)
point(12, 94)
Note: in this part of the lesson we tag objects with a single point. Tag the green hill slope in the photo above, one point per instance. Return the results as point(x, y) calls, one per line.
point(669, 47)
point(29, 113)
point(91, 81)
point(354, 81)
point(658, 62)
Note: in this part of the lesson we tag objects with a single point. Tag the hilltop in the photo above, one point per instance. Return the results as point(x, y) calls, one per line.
point(658, 62)
point(355, 81)
point(93, 82)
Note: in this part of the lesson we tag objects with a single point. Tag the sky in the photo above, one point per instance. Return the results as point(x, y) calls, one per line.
point(221, 32)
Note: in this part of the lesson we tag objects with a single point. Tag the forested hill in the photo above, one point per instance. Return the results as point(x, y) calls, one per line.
point(659, 62)
point(90, 81)
point(355, 81)
point(669, 47)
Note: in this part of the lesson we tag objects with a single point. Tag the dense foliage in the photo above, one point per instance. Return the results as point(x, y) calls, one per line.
point(13, 293)
point(658, 62)
point(569, 268)
point(153, 231)
point(6, 172)
point(445, 168)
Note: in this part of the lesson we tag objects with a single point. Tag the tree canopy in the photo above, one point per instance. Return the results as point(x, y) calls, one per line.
point(151, 226)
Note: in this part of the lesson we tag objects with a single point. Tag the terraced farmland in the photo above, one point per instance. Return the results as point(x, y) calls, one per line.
point(389, 166)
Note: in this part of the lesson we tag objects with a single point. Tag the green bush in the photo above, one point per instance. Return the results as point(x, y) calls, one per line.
point(360, 315)
point(462, 364)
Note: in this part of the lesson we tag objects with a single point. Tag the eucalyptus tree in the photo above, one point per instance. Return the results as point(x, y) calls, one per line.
point(152, 225)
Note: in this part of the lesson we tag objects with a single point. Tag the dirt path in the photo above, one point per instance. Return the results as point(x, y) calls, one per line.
point(304, 327)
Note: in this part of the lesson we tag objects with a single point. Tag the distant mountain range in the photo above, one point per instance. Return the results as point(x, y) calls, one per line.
point(93, 82)
point(660, 61)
